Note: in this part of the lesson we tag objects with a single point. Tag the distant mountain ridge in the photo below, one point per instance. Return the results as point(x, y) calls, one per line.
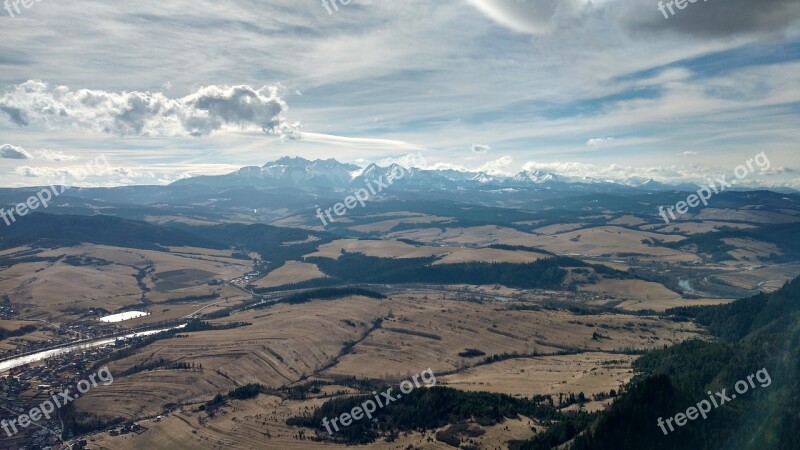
point(301, 172)
point(286, 171)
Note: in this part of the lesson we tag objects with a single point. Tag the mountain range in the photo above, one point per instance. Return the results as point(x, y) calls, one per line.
point(302, 173)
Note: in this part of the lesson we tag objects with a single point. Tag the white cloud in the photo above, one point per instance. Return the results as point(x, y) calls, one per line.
point(448, 166)
point(775, 171)
point(480, 148)
point(8, 151)
point(409, 161)
point(622, 173)
point(498, 166)
point(210, 109)
point(359, 142)
point(597, 142)
point(40, 172)
point(687, 154)
point(54, 155)
point(93, 175)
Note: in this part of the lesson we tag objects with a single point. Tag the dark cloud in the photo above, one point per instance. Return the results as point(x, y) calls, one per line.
point(700, 18)
point(711, 18)
point(480, 148)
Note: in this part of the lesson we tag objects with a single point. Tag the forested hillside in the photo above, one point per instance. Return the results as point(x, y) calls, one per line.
point(762, 332)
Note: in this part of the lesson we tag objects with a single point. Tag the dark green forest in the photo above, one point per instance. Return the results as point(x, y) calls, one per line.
point(431, 408)
point(358, 268)
point(713, 243)
point(761, 332)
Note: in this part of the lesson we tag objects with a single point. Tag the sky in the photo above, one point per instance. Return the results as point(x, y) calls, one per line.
point(607, 89)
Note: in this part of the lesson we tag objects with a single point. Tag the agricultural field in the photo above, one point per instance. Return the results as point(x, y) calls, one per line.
point(287, 343)
point(446, 255)
point(563, 312)
point(290, 273)
point(68, 282)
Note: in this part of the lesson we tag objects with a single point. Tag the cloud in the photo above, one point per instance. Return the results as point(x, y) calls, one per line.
point(775, 170)
point(700, 19)
point(597, 142)
point(711, 18)
point(88, 175)
point(8, 151)
point(576, 169)
point(527, 16)
point(687, 154)
point(409, 161)
point(102, 172)
point(480, 148)
point(53, 155)
point(498, 166)
point(208, 110)
point(371, 143)
point(622, 174)
point(39, 172)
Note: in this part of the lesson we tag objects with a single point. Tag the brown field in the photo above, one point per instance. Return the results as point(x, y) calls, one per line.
point(764, 278)
point(50, 289)
point(430, 333)
point(749, 250)
point(631, 290)
point(178, 279)
point(558, 228)
point(45, 289)
point(590, 373)
point(637, 295)
point(481, 236)
point(11, 251)
point(665, 304)
point(396, 249)
point(43, 333)
point(198, 251)
point(381, 249)
point(261, 424)
point(415, 328)
point(177, 308)
point(14, 325)
point(696, 227)
point(288, 342)
point(597, 241)
point(609, 241)
point(490, 255)
point(289, 273)
point(284, 343)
